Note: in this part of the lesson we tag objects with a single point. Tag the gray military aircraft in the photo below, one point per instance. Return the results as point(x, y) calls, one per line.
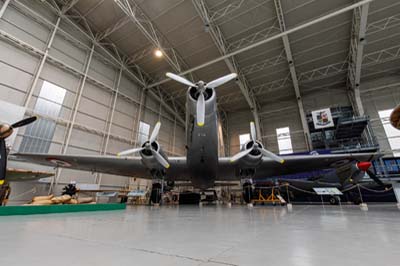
point(201, 166)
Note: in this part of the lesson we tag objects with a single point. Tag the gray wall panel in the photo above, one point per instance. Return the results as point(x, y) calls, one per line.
point(27, 30)
point(18, 65)
point(18, 59)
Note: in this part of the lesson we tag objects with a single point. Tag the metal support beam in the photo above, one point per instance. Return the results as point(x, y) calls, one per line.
point(77, 101)
point(268, 39)
point(111, 29)
point(94, 7)
point(372, 28)
point(70, 126)
point(110, 120)
point(41, 64)
point(135, 129)
point(68, 6)
point(232, 6)
point(4, 7)
point(219, 40)
point(149, 30)
point(327, 71)
point(113, 59)
point(173, 138)
point(358, 35)
point(293, 74)
point(221, 139)
point(62, 65)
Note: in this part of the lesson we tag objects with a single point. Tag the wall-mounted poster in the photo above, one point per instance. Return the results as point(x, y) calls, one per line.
point(322, 118)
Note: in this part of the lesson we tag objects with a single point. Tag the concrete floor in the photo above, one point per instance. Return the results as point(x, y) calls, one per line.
point(211, 235)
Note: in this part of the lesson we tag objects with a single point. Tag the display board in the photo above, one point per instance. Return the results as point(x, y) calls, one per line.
point(322, 118)
point(137, 193)
point(327, 191)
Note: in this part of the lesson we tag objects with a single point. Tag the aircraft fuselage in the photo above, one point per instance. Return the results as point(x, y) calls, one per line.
point(202, 153)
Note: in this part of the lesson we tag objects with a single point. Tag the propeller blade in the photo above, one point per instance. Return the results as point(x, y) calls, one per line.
point(24, 122)
point(271, 155)
point(221, 80)
point(239, 155)
point(130, 151)
point(160, 159)
point(180, 79)
point(200, 110)
point(253, 131)
point(155, 132)
point(375, 178)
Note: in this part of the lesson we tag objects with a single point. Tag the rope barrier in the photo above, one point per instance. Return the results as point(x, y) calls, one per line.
point(348, 189)
point(302, 190)
point(314, 193)
point(376, 191)
point(33, 190)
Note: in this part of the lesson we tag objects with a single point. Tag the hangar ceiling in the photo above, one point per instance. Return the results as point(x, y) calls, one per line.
point(192, 32)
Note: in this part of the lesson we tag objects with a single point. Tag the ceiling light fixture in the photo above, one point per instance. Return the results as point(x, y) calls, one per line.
point(158, 53)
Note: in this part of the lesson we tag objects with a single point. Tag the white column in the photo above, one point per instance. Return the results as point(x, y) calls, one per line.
point(41, 64)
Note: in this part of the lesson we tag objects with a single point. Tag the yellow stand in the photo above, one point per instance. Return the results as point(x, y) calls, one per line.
point(272, 198)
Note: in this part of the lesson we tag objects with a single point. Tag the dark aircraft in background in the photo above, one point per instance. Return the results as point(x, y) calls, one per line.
point(7, 174)
point(300, 185)
point(14, 174)
point(201, 166)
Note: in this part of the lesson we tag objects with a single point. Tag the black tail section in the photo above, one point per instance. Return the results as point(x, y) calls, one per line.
point(3, 160)
point(375, 178)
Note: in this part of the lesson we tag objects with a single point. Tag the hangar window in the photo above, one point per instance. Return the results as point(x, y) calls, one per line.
point(284, 140)
point(38, 136)
point(144, 130)
point(392, 134)
point(243, 139)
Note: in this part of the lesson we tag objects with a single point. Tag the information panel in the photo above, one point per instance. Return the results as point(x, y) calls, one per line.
point(327, 191)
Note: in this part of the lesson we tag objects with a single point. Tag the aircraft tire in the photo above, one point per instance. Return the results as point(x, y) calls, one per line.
point(155, 196)
point(334, 201)
point(247, 193)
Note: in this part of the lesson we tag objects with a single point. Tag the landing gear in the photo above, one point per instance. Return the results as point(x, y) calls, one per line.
point(158, 186)
point(156, 193)
point(5, 191)
point(334, 200)
point(247, 192)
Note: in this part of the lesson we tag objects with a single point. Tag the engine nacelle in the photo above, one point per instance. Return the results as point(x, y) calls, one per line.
point(5, 131)
point(254, 158)
point(210, 99)
point(353, 173)
point(148, 159)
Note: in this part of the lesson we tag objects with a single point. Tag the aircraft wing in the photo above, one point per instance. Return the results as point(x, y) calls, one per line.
point(125, 166)
point(25, 175)
point(293, 164)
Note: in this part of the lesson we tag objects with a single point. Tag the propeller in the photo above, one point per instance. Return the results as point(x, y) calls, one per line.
point(256, 146)
point(148, 146)
point(6, 130)
point(180, 79)
point(201, 88)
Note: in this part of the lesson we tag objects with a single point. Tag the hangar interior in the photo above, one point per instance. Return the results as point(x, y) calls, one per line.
point(94, 74)
point(108, 89)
